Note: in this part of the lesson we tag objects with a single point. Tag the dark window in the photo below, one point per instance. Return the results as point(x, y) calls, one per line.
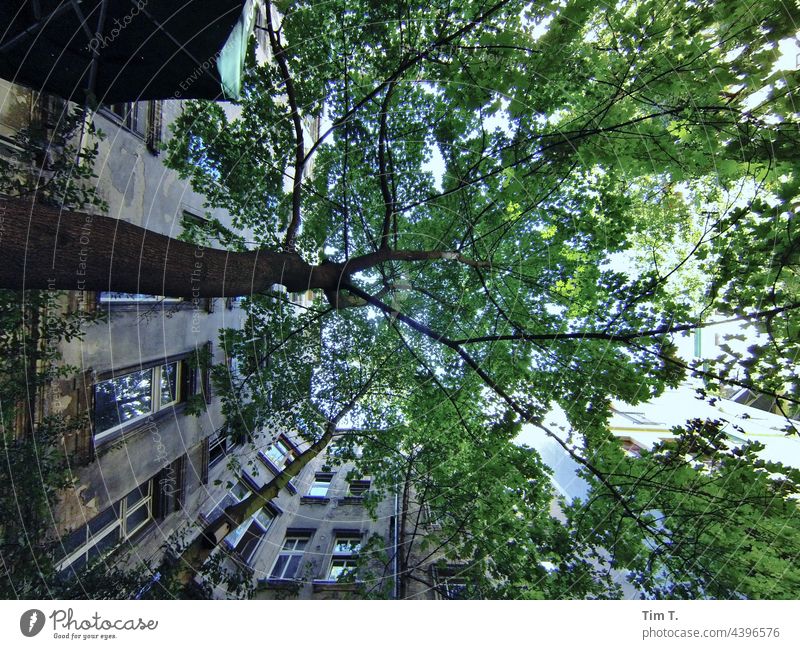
point(359, 488)
point(106, 530)
point(170, 487)
point(144, 118)
point(217, 448)
point(246, 538)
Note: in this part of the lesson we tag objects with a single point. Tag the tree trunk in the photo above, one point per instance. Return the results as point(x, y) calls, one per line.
point(43, 247)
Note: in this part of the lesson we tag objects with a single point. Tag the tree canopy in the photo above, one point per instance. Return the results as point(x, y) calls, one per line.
point(502, 207)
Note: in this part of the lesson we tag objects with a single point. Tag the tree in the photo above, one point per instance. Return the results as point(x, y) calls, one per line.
point(485, 176)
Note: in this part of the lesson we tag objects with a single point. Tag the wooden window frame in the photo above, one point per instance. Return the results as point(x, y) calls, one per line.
point(118, 523)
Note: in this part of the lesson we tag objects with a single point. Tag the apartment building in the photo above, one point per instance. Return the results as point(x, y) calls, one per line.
point(330, 534)
point(140, 462)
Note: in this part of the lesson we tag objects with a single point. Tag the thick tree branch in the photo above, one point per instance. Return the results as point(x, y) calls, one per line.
point(299, 156)
point(625, 336)
point(383, 174)
point(46, 248)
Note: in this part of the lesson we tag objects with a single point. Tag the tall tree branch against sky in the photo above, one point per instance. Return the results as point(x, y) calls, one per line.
point(609, 179)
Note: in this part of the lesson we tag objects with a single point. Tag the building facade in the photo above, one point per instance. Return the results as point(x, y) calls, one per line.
point(139, 464)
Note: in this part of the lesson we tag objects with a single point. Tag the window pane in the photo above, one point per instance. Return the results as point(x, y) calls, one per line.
point(234, 537)
point(217, 449)
point(341, 567)
point(136, 519)
point(278, 454)
point(138, 495)
point(240, 491)
point(73, 541)
point(294, 564)
point(76, 566)
point(169, 383)
point(103, 519)
point(280, 564)
point(264, 519)
point(104, 544)
point(320, 486)
point(122, 399)
point(345, 545)
point(359, 487)
point(455, 588)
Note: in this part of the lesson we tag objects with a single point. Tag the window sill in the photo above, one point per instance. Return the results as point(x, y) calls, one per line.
point(322, 585)
point(279, 584)
point(314, 500)
point(351, 500)
point(146, 305)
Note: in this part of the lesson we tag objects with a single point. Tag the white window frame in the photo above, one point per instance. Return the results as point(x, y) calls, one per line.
point(263, 518)
point(290, 553)
point(112, 297)
point(346, 546)
point(155, 396)
point(450, 582)
point(119, 523)
point(284, 455)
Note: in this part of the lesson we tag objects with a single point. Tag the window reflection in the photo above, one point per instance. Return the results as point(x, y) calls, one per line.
point(169, 383)
point(123, 398)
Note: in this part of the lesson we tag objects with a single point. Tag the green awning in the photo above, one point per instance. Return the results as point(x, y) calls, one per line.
point(115, 50)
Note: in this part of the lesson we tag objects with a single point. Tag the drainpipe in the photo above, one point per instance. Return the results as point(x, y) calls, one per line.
point(396, 556)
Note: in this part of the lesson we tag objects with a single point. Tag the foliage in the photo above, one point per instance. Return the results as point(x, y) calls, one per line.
point(536, 201)
point(33, 325)
point(718, 521)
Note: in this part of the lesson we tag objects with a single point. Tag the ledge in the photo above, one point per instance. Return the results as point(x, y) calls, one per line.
point(314, 500)
point(321, 585)
point(279, 584)
point(351, 500)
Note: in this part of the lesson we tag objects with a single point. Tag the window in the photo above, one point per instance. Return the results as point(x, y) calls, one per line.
point(142, 118)
point(280, 453)
point(452, 587)
point(451, 582)
point(288, 562)
point(246, 538)
point(358, 488)
point(344, 556)
point(108, 529)
point(170, 486)
point(237, 493)
point(637, 417)
point(320, 486)
point(132, 115)
point(135, 395)
point(631, 446)
point(217, 448)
